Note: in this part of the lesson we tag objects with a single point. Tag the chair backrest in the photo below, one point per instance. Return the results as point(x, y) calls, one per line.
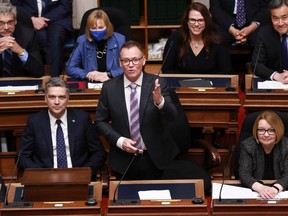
point(118, 18)
point(247, 131)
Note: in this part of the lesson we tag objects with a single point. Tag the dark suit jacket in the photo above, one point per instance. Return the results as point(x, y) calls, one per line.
point(111, 107)
point(36, 150)
point(25, 37)
point(222, 11)
point(57, 11)
point(252, 162)
point(270, 57)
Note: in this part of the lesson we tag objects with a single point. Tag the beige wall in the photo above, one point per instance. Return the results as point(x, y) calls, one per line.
point(205, 2)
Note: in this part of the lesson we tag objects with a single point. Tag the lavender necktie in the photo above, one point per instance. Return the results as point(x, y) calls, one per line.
point(134, 117)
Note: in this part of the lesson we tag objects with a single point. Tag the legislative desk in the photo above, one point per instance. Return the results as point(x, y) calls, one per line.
point(77, 207)
point(181, 204)
point(249, 207)
point(256, 100)
point(206, 108)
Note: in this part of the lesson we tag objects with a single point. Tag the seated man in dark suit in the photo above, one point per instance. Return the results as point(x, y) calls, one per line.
point(239, 20)
point(52, 20)
point(270, 55)
point(20, 55)
point(40, 145)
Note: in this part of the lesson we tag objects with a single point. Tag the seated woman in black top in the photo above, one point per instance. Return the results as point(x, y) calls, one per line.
point(264, 156)
point(196, 48)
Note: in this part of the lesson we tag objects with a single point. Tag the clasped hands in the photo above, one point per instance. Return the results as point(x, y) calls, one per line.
point(240, 35)
point(10, 43)
point(281, 77)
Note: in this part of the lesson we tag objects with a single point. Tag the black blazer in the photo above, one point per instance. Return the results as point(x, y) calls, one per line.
point(270, 57)
point(36, 150)
point(24, 34)
point(222, 11)
point(112, 107)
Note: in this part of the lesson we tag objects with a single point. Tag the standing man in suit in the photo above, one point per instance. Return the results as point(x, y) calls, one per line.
point(156, 109)
point(40, 143)
point(52, 19)
point(272, 45)
point(20, 55)
point(239, 31)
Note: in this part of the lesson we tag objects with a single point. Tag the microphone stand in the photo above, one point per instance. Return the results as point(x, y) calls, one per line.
point(15, 204)
point(125, 202)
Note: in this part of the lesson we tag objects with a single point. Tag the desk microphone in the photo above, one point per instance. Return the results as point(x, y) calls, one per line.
point(164, 61)
point(14, 204)
point(124, 202)
point(225, 171)
point(69, 60)
point(254, 69)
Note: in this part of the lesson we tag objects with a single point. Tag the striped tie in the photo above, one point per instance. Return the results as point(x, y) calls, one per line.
point(284, 52)
point(241, 14)
point(134, 117)
point(60, 143)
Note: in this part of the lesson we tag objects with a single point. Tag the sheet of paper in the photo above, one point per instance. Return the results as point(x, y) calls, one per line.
point(94, 85)
point(237, 192)
point(269, 84)
point(18, 88)
point(155, 195)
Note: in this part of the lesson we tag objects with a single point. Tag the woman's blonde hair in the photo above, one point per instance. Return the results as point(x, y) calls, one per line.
point(272, 119)
point(92, 19)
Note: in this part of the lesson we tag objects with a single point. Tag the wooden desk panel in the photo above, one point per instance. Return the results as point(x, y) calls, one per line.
point(209, 109)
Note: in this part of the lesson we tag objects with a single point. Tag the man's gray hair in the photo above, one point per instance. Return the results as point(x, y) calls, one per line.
point(274, 4)
point(7, 7)
point(56, 82)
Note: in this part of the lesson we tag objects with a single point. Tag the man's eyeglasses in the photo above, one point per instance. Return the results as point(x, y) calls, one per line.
point(193, 21)
point(135, 61)
point(9, 23)
point(270, 131)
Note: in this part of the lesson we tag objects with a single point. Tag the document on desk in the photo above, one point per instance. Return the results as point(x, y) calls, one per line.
point(18, 88)
point(92, 85)
point(155, 195)
point(238, 192)
point(269, 84)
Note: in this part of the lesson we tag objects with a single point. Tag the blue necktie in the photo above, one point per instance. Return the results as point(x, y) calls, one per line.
point(60, 146)
point(7, 64)
point(134, 117)
point(284, 52)
point(240, 14)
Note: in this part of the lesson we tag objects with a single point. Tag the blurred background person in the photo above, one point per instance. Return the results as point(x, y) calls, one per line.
point(238, 20)
point(96, 57)
point(20, 55)
point(52, 20)
point(196, 48)
point(272, 45)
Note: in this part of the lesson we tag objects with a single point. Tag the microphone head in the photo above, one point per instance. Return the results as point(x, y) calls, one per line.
point(137, 152)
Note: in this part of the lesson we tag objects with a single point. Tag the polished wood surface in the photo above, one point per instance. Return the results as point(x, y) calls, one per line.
point(205, 108)
point(76, 207)
point(159, 207)
point(262, 100)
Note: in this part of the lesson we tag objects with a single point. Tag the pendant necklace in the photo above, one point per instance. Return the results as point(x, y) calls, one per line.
point(99, 53)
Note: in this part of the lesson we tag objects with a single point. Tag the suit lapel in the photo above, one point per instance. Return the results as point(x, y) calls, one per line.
point(146, 93)
point(46, 131)
point(71, 124)
point(120, 102)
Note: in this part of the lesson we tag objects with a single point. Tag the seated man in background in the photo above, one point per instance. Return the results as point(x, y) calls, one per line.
point(52, 20)
point(271, 48)
point(59, 137)
point(238, 20)
point(20, 55)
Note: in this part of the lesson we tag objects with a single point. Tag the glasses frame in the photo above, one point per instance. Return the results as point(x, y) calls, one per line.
point(9, 23)
point(193, 21)
point(131, 60)
point(272, 131)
